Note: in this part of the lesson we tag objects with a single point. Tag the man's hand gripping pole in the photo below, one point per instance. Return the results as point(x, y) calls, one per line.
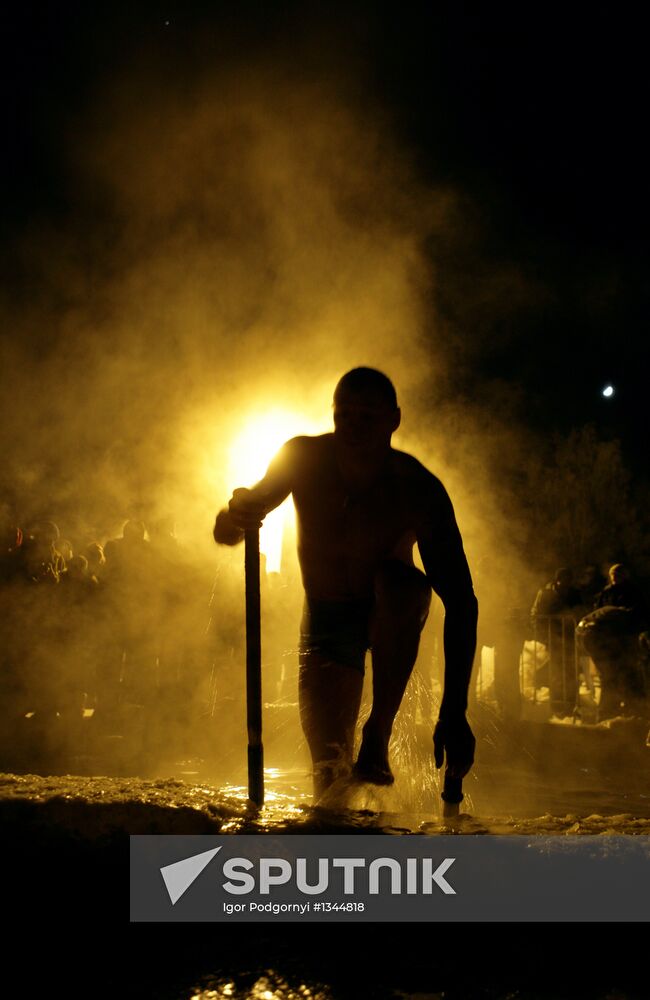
point(453, 739)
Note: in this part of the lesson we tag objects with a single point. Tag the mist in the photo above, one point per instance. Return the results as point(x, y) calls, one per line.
point(234, 244)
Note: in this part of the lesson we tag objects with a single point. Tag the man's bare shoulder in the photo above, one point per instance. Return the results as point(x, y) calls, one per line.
point(306, 446)
point(304, 454)
point(313, 441)
point(430, 503)
point(423, 491)
point(408, 467)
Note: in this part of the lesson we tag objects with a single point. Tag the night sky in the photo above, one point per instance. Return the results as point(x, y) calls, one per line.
point(536, 116)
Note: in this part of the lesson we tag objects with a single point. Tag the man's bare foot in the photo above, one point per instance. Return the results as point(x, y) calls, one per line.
point(372, 766)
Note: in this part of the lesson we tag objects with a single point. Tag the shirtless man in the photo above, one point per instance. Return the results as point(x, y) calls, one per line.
point(361, 506)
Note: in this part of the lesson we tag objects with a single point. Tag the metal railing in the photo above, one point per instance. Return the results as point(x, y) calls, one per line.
point(551, 659)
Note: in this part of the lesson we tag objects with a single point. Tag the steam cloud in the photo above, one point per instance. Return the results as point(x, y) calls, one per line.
point(240, 241)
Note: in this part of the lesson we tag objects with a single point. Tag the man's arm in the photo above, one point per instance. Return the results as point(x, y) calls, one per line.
point(247, 508)
point(445, 564)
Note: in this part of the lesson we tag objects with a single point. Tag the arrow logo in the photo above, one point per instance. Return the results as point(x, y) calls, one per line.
point(179, 876)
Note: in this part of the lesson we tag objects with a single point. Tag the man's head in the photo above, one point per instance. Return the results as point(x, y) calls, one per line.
point(618, 573)
point(77, 568)
point(133, 531)
point(46, 532)
point(365, 410)
point(95, 555)
point(563, 578)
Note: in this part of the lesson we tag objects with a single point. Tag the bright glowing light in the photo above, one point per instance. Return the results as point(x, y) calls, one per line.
point(608, 391)
point(261, 438)
point(250, 455)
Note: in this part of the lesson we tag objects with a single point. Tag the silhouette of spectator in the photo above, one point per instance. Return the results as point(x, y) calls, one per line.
point(11, 540)
point(37, 619)
point(41, 559)
point(77, 572)
point(13, 580)
point(162, 536)
point(622, 592)
point(94, 554)
point(559, 596)
point(554, 613)
point(75, 654)
point(64, 549)
point(127, 557)
point(176, 608)
point(611, 636)
point(127, 668)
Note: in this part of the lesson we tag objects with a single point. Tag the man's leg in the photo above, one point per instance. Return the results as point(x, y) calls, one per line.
point(402, 601)
point(611, 696)
point(330, 698)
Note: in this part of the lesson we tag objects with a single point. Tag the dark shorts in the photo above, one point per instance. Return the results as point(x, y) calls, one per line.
point(338, 630)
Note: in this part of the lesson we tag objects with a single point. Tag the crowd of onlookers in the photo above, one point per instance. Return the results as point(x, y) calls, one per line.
point(578, 595)
point(135, 639)
point(99, 626)
point(132, 621)
point(609, 618)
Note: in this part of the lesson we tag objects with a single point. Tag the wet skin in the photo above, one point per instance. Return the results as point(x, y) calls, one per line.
point(361, 506)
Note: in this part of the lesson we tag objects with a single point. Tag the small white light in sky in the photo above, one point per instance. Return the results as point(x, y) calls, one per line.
point(608, 391)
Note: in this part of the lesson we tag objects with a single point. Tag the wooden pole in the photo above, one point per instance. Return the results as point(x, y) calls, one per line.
point(254, 668)
point(452, 795)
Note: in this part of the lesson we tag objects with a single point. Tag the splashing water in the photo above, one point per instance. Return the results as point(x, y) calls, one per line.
point(269, 986)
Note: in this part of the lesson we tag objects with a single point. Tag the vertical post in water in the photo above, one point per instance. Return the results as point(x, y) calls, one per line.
point(452, 795)
point(254, 668)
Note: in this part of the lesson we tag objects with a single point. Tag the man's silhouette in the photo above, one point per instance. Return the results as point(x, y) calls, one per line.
point(361, 506)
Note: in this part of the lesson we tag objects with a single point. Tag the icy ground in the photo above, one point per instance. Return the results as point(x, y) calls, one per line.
point(66, 838)
point(98, 807)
